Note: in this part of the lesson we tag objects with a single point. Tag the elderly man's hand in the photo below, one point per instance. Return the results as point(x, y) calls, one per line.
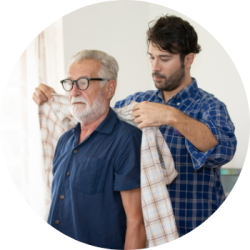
point(42, 94)
point(149, 114)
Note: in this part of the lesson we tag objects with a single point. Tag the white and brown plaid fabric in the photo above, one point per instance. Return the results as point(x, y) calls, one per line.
point(55, 119)
point(157, 166)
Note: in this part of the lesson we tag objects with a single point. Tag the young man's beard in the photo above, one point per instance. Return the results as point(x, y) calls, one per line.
point(172, 82)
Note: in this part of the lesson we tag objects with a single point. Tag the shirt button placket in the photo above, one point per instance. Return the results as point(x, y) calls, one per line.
point(62, 196)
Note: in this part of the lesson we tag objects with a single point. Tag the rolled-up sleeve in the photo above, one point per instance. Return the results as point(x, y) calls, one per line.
point(215, 116)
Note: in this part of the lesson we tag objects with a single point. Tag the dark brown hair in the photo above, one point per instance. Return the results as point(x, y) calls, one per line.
point(173, 34)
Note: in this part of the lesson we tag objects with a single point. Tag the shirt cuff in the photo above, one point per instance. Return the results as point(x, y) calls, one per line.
point(198, 157)
point(123, 183)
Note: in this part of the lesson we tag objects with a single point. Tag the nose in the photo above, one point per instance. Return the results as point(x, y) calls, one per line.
point(155, 65)
point(75, 91)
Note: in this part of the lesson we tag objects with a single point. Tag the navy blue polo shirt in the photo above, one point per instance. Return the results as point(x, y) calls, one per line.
point(87, 180)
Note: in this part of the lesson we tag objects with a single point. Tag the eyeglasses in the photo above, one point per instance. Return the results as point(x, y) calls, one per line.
point(81, 83)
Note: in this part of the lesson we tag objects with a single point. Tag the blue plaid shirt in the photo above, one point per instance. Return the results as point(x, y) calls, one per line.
point(197, 191)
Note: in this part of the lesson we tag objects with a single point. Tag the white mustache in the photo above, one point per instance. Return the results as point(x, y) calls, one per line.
point(78, 99)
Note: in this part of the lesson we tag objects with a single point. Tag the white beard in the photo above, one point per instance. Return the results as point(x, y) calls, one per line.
point(83, 112)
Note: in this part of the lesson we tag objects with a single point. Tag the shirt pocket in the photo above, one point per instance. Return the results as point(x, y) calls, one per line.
point(89, 175)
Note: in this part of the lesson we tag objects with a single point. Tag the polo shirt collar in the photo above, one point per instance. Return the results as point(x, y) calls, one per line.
point(107, 125)
point(184, 93)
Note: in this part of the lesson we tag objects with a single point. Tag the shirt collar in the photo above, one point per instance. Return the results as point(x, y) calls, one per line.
point(184, 93)
point(159, 93)
point(108, 124)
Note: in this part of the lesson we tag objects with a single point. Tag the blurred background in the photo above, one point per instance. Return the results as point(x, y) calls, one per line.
point(118, 28)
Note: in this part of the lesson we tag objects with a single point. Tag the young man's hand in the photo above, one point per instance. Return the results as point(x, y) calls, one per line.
point(42, 94)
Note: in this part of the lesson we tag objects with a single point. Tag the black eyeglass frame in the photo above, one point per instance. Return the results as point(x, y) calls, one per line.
point(76, 81)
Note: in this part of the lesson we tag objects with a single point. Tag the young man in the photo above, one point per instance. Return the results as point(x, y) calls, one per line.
point(195, 124)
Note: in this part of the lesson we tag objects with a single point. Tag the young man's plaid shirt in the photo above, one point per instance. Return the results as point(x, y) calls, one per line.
point(197, 191)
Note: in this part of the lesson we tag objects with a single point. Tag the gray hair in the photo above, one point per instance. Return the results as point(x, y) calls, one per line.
point(109, 65)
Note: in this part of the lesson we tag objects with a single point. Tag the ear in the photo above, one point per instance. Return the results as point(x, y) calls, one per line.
point(110, 89)
point(188, 60)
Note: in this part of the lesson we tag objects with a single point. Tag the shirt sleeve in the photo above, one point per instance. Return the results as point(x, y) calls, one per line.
point(127, 163)
point(216, 117)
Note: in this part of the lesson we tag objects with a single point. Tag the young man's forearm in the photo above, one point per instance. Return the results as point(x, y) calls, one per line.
point(148, 114)
point(196, 132)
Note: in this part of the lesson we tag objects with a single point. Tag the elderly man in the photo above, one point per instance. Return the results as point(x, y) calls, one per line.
point(96, 167)
point(195, 124)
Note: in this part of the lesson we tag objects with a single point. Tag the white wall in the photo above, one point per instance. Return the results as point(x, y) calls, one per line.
point(116, 28)
point(119, 28)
